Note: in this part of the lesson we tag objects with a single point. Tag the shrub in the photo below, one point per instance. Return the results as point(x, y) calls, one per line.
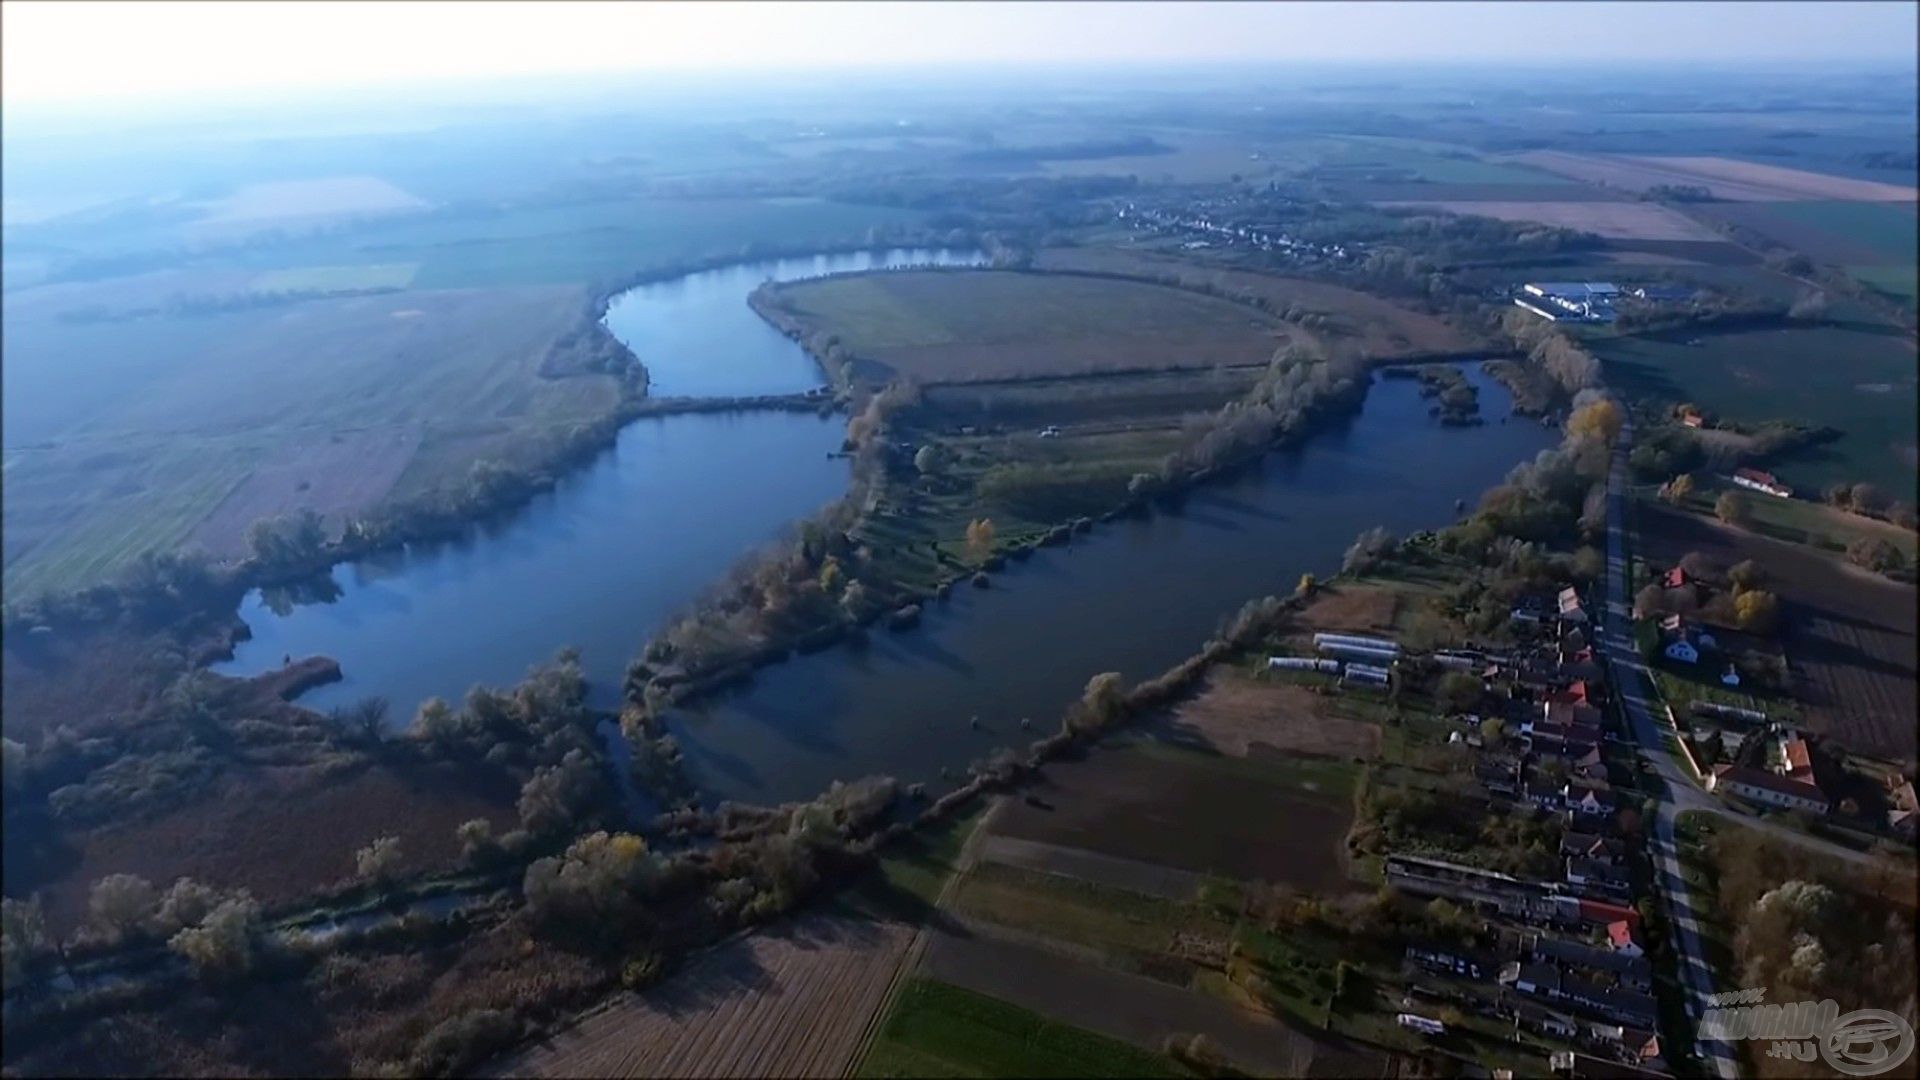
point(377, 861)
point(1732, 509)
point(123, 906)
point(224, 944)
point(457, 1044)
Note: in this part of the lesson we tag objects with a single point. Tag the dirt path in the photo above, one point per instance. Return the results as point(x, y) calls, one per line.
point(1132, 875)
point(910, 961)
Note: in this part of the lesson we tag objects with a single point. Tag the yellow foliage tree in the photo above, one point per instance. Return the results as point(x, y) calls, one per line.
point(979, 538)
point(1602, 418)
point(832, 577)
point(1757, 610)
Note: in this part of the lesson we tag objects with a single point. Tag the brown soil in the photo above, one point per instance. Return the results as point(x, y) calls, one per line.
point(333, 476)
point(1234, 713)
point(281, 833)
point(1160, 809)
point(787, 1002)
point(90, 680)
point(1849, 636)
point(1350, 609)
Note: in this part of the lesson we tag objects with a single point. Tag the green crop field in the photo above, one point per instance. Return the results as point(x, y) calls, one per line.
point(1900, 282)
point(1887, 229)
point(1861, 383)
point(959, 326)
point(578, 242)
point(940, 1030)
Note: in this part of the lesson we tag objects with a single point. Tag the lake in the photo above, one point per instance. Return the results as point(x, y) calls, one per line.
point(617, 549)
point(1134, 596)
point(698, 337)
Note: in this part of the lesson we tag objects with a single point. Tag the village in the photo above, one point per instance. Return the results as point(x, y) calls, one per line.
point(1568, 958)
point(1562, 959)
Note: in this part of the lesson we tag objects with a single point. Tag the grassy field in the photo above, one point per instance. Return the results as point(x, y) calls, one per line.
point(128, 437)
point(1861, 383)
point(941, 1030)
point(1198, 810)
point(960, 326)
point(1612, 220)
point(1801, 520)
point(1355, 321)
point(1130, 928)
point(1849, 637)
point(338, 278)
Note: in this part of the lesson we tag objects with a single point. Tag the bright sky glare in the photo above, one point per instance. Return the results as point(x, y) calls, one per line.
point(57, 52)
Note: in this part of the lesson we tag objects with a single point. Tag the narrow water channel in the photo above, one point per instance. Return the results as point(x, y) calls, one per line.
point(617, 549)
point(1135, 596)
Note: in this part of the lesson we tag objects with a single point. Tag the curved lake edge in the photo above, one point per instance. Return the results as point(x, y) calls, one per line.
point(817, 713)
point(474, 522)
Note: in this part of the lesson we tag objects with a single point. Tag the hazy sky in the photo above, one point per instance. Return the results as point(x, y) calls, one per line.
point(72, 52)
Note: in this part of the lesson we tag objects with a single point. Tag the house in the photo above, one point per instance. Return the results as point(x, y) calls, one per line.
point(1587, 1067)
point(1592, 875)
point(1518, 897)
point(1796, 761)
point(1499, 777)
point(1682, 650)
point(1580, 845)
point(1904, 810)
point(1602, 913)
point(1692, 419)
point(1569, 606)
point(1562, 716)
point(1422, 1025)
point(1588, 797)
point(1676, 578)
point(1545, 1021)
point(1621, 938)
point(1448, 960)
point(1548, 981)
point(1636, 1046)
point(1756, 480)
point(1633, 972)
point(1768, 789)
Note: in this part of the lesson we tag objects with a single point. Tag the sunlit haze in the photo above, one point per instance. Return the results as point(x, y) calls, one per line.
point(58, 52)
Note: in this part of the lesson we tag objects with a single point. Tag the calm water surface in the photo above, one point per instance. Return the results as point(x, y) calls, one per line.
point(1134, 596)
point(600, 562)
point(699, 338)
point(619, 548)
point(616, 550)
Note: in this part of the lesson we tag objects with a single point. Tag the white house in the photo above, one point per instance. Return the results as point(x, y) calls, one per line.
point(1766, 482)
point(1755, 785)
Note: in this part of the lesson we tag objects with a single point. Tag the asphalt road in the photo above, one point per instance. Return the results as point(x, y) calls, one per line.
point(1633, 687)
